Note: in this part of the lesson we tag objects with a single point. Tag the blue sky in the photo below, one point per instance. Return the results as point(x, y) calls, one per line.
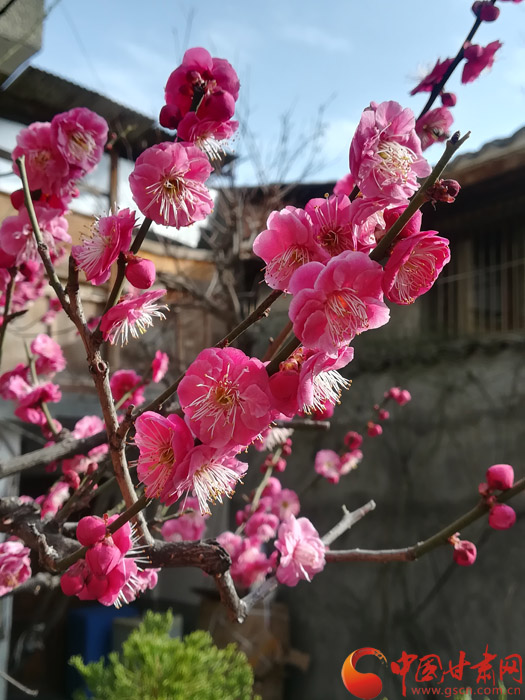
point(292, 56)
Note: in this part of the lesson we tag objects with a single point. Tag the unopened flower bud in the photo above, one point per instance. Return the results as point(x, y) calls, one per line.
point(353, 440)
point(139, 271)
point(501, 517)
point(280, 465)
point(448, 99)
point(500, 476)
point(465, 553)
point(485, 10)
point(382, 414)
point(443, 191)
point(373, 429)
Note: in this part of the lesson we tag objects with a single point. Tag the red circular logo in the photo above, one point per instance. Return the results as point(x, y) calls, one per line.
point(364, 686)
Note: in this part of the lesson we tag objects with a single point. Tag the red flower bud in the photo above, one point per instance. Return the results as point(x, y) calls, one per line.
point(140, 272)
point(500, 476)
point(465, 553)
point(373, 429)
point(448, 99)
point(485, 10)
point(443, 191)
point(501, 517)
point(353, 440)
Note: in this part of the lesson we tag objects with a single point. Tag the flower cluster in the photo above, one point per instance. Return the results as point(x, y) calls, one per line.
point(434, 125)
point(30, 386)
point(15, 567)
point(200, 100)
point(333, 465)
point(110, 571)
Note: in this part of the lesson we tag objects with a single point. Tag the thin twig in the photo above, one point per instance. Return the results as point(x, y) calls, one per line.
point(348, 520)
point(255, 316)
point(458, 58)
point(7, 307)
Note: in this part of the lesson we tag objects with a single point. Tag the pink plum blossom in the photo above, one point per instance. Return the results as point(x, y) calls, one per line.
point(163, 444)
point(333, 303)
point(225, 397)
point(434, 77)
point(133, 315)
point(210, 135)
point(414, 266)
point(51, 503)
point(385, 153)
point(349, 461)
point(287, 244)
point(109, 236)
point(198, 71)
point(17, 240)
point(168, 184)
point(327, 464)
point(477, 59)
point(250, 565)
point(412, 226)
point(49, 358)
point(333, 223)
point(87, 426)
point(159, 366)
point(345, 185)
point(15, 566)
point(302, 551)
point(286, 503)
point(353, 440)
point(207, 473)
point(46, 167)
point(80, 136)
point(187, 526)
point(319, 379)
point(14, 384)
point(29, 407)
point(124, 381)
point(433, 127)
point(262, 526)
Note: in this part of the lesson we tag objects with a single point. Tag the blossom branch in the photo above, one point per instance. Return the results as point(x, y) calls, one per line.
point(118, 285)
point(437, 540)
point(348, 520)
point(43, 250)
point(457, 60)
point(7, 306)
point(417, 201)
point(256, 315)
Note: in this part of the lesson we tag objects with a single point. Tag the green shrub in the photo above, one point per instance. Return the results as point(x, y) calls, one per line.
point(153, 666)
